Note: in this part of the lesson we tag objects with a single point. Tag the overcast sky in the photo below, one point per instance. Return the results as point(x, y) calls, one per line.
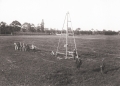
point(85, 14)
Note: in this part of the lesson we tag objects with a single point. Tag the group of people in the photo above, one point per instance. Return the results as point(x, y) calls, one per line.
point(24, 47)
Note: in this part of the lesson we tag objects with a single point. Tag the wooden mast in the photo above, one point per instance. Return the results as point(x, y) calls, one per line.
point(67, 36)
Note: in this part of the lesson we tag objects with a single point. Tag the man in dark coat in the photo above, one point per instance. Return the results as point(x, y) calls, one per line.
point(78, 62)
point(74, 54)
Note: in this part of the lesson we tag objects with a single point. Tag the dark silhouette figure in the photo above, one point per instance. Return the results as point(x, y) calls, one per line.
point(78, 62)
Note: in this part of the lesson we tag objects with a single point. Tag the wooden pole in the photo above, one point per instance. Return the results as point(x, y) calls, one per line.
point(67, 36)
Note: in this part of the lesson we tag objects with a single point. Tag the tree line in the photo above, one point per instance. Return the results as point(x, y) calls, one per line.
point(16, 26)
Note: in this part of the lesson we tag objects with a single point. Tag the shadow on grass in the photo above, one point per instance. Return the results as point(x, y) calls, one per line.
point(96, 70)
point(105, 71)
point(113, 69)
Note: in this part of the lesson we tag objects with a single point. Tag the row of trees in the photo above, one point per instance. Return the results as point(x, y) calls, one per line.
point(82, 32)
point(7, 29)
point(104, 32)
point(16, 26)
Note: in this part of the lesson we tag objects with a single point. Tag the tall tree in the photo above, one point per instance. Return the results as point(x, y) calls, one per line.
point(42, 25)
point(77, 31)
point(38, 28)
point(26, 27)
point(16, 26)
point(2, 27)
point(32, 29)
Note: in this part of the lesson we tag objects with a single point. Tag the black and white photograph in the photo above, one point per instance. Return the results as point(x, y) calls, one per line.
point(59, 43)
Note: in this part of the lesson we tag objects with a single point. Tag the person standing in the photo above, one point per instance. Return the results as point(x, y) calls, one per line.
point(78, 62)
point(74, 54)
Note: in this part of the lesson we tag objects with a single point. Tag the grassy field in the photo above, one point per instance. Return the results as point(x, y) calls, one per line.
point(40, 68)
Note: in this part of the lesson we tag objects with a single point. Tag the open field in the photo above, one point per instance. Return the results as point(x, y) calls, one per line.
point(40, 68)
